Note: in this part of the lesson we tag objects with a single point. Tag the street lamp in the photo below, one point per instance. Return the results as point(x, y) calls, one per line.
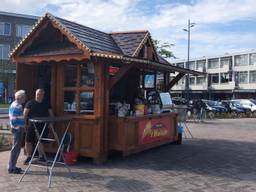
point(190, 25)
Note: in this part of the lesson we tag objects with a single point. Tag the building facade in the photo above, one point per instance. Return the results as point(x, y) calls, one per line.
point(13, 27)
point(227, 76)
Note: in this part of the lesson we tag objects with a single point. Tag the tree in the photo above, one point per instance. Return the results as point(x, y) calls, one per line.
point(164, 49)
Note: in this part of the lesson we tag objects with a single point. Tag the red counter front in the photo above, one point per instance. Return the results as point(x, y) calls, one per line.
point(134, 134)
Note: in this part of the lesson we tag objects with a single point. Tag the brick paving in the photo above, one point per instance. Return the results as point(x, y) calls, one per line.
point(221, 158)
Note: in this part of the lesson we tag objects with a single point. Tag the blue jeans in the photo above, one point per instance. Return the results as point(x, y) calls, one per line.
point(16, 147)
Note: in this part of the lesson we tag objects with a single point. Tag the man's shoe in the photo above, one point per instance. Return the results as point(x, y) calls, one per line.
point(15, 171)
point(19, 169)
point(27, 161)
point(10, 171)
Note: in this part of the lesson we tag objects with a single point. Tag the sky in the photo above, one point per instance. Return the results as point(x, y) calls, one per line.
point(221, 26)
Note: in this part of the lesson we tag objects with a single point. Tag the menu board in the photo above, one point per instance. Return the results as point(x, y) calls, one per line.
point(166, 99)
point(149, 81)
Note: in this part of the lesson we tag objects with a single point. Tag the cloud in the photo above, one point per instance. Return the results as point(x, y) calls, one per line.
point(165, 22)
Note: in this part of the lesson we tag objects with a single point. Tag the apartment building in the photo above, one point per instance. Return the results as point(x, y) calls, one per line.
point(227, 76)
point(13, 27)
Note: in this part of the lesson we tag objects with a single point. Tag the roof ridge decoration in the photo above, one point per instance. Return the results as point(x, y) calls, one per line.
point(136, 52)
point(153, 45)
point(62, 28)
point(147, 36)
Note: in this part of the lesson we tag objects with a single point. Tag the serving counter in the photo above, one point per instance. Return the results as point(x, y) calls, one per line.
point(137, 133)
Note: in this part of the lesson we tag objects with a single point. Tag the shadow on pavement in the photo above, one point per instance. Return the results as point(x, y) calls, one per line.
point(217, 158)
point(231, 160)
point(113, 183)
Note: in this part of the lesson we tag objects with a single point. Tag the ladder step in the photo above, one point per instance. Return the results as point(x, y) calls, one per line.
point(40, 166)
point(47, 139)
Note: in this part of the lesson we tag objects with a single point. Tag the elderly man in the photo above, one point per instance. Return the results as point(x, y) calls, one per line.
point(17, 123)
point(37, 107)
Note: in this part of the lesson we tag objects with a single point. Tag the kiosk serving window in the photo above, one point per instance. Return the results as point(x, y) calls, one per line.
point(79, 88)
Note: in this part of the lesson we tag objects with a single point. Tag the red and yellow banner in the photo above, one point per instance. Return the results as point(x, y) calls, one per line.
point(152, 130)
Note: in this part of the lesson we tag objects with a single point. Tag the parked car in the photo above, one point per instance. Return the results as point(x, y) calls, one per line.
point(217, 106)
point(253, 100)
point(246, 103)
point(234, 111)
point(214, 108)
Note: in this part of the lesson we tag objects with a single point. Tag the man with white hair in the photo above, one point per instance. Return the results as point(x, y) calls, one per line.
point(17, 123)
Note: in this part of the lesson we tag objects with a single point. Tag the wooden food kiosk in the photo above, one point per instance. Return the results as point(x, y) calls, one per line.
point(87, 73)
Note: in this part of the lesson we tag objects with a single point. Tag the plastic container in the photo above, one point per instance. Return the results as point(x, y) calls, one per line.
point(70, 157)
point(139, 109)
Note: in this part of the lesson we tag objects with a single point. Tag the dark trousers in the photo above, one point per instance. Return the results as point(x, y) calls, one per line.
point(16, 147)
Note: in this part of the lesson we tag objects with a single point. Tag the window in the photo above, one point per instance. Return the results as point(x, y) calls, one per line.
point(192, 80)
point(213, 63)
point(70, 104)
point(4, 51)
point(214, 78)
point(86, 102)
point(253, 59)
point(224, 77)
point(200, 64)
point(252, 76)
point(243, 77)
point(225, 61)
point(79, 88)
point(241, 60)
point(200, 80)
point(192, 65)
point(22, 30)
point(87, 75)
point(5, 28)
point(70, 75)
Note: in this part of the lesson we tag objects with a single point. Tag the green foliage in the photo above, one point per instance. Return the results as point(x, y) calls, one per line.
point(164, 49)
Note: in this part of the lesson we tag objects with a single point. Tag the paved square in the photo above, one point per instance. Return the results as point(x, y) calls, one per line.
point(221, 157)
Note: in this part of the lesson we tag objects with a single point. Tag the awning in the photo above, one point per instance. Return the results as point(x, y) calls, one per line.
point(167, 67)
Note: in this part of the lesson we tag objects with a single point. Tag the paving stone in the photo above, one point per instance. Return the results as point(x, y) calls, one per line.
point(221, 158)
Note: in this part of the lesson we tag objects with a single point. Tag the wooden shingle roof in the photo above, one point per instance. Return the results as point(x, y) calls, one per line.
point(95, 40)
point(129, 41)
point(120, 45)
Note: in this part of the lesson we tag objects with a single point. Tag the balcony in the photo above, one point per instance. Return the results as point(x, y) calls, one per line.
point(247, 86)
point(245, 68)
point(223, 86)
point(198, 87)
